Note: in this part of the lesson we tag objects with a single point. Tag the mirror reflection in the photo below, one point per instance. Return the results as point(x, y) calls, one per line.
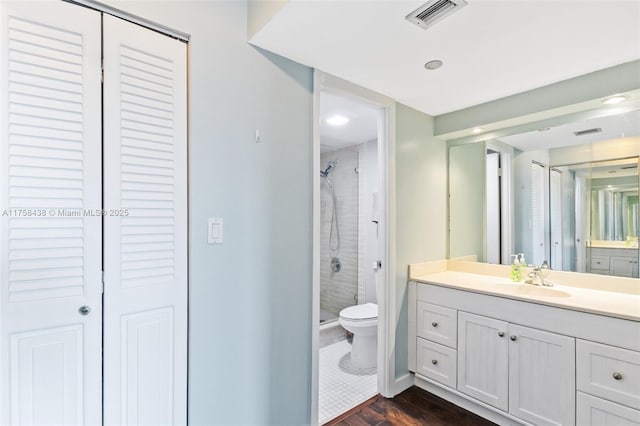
point(567, 195)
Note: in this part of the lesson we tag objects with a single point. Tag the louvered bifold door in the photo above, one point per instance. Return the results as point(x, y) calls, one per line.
point(145, 193)
point(50, 243)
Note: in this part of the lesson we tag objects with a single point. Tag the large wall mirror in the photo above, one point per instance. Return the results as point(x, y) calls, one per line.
point(567, 194)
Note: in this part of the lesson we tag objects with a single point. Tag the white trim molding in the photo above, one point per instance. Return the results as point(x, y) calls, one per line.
point(386, 288)
point(403, 383)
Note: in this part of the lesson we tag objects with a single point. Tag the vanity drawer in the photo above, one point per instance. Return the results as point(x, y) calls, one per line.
point(437, 324)
point(600, 263)
point(592, 411)
point(609, 372)
point(436, 362)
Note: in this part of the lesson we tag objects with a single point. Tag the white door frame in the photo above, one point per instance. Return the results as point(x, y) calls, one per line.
point(323, 82)
point(506, 200)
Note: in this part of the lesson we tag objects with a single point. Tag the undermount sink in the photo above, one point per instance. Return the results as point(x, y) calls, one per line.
point(532, 290)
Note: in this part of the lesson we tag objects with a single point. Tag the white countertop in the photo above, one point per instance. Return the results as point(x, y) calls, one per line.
point(610, 296)
point(627, 245)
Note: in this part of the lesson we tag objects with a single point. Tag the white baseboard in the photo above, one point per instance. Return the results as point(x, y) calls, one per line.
point(464, 401)
point(403, 383)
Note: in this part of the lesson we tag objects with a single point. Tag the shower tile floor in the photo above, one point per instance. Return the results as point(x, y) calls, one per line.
point(341, 386)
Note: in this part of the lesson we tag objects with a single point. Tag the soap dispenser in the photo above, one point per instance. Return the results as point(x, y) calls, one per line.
point(523, 264)
point(516, 274)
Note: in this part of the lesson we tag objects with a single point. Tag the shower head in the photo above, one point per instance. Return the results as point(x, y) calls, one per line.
point(330, 165)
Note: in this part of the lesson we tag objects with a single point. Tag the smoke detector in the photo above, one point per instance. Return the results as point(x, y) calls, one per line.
point(433, 11)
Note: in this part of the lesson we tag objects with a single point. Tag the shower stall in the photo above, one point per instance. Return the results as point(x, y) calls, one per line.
point(339, 251)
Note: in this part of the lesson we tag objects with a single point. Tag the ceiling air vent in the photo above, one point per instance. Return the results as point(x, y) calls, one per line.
point(431, 12)
point(587, 131)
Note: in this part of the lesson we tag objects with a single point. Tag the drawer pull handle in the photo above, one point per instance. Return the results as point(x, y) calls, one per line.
point(617, 376)
point(434, 324)
point(434, 361)
point(513, 338)
point(501, 333)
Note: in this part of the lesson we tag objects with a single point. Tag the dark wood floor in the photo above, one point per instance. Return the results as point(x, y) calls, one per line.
point(412, 407)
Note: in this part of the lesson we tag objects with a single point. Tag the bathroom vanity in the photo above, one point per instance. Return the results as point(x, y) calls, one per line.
point(516, 353)
point(618, 258)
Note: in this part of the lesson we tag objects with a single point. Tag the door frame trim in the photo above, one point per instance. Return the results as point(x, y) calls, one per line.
point(323, 82)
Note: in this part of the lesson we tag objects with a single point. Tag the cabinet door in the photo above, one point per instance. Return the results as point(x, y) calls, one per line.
point(624, 266)
point(541, 376)
point(483, 367)
point(145, 322)
point(50, 250)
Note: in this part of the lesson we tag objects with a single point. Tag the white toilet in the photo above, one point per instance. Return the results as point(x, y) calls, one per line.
point(362, 321)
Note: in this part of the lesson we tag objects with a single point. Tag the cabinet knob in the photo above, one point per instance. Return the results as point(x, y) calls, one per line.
point(434, 361)
point(513, 338)
point(501, 333)
point(434, 324)
point(617, 376)
point(84, 310)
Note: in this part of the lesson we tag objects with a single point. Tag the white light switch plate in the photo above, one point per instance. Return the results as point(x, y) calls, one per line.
point(214, 230)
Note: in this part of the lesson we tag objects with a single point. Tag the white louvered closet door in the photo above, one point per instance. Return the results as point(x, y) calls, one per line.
point(145, 300)
point(50, 252)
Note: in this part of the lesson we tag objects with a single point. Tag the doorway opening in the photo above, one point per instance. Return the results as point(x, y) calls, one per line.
point(498, 213)
point(350, 248)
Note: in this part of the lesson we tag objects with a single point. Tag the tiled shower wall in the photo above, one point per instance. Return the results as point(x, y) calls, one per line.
point(339, 289)
point(355, 192)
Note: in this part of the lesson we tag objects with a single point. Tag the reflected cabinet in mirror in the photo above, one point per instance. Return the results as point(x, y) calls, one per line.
point(593, 215)
point(567, 195)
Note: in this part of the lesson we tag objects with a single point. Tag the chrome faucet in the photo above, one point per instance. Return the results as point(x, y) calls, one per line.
point(538, 274)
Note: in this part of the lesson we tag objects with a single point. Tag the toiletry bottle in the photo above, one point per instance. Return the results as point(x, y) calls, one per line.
point(515, 269)
point(523, 265)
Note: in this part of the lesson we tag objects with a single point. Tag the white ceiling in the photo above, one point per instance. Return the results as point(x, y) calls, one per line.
point(613, 127)
point(490, 48)
point(607, 169)
point(362, 126)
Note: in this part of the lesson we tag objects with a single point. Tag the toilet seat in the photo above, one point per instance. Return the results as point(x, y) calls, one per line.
point(364, 312)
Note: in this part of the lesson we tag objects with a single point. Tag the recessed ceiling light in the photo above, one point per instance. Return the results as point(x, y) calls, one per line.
point(337, 120)
point(616, 99)
point(478, 130)
point(433, 65)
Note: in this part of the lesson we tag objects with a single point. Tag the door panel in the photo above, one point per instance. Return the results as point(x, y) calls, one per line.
point(50, 172)
point(148, 345)
point(46, 368)
point(146, 237)
point(483, 364)
point(541, 376)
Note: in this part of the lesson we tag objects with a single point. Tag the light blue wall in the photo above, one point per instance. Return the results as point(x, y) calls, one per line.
point(467, 206)
point(250, 298)
point(421, 208)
